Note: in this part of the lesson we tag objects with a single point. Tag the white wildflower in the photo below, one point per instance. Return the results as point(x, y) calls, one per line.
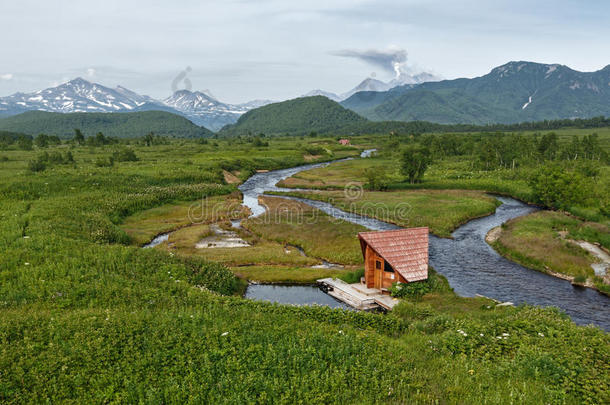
point(224, 334)
point(540, 334)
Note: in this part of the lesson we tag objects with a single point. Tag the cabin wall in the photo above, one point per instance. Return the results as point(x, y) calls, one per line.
point(372, 274)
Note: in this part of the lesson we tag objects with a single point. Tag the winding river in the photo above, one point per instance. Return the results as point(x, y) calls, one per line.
point(467, 261)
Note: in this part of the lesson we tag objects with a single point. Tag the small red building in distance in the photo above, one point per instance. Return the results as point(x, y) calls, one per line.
point(344, 141)
point(394, 256)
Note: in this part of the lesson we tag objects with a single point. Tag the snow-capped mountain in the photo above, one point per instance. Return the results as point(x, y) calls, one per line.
point(80, 95)
point(77, 95)
point(203, 109)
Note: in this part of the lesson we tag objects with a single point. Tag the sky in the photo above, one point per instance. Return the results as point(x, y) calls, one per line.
point(240, 50)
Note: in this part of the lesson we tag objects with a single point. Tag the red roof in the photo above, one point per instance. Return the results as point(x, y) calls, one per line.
point(406, 250)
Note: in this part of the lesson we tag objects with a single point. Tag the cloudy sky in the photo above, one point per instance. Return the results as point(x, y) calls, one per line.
point(243, 50)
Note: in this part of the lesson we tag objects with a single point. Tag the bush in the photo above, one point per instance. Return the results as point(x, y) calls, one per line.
point(314, 150)
point(104, 162)
point(125, 155)
point(376, 179)
point(410, 290)
point(581, 278)
point(352, 277)
point(36, 166)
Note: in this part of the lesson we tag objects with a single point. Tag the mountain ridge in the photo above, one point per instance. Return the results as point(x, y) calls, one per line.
point(517, 91)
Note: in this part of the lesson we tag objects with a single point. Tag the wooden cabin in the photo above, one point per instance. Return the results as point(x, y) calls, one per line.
point(394, 256)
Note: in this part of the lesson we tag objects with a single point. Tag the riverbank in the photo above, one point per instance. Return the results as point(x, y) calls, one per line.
point(442, 211)
point(548, 242)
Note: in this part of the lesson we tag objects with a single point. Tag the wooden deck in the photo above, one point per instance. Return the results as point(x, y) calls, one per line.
point(357, 295)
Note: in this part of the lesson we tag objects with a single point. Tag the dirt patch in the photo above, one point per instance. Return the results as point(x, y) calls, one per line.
point(493, 234)
point(601, 268)
point(221, 239)
point(309, 158)
point(230, 178)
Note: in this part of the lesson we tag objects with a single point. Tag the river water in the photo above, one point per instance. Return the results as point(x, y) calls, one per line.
point(470, 265)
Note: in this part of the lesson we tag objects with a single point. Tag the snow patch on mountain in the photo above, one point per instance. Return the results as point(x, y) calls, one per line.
point(80, 95)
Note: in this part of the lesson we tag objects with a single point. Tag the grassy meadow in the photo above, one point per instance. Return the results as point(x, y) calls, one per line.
point(440, 210)
point(87, 315)
point(529, 239)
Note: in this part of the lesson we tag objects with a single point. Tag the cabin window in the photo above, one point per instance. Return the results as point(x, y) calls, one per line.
point(377, 264)
point(387, 267)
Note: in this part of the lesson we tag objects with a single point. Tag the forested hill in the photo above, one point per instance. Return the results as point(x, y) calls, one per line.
point(514, 92)
point(420, 127)
point(119, 125)
point(299, 116)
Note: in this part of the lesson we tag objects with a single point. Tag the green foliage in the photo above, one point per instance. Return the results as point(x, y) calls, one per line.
point(88, 319)
point(496, 97)
point(79, 138)
point(117, 125)
point(24, 142)
point(410, 290)
point(125, 155)
point(41, 141)
point(104, 161)
point(414, 162)
point(416, 289)
point(314, 150)
point(352, 277)
point(297, 117)
point(557, 186)
point(36, 166)
point(376, 179)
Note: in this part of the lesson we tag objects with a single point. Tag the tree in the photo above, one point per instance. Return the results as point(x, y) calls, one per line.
point(556, 186)
point(376, 179)
point(24, 142)
point(42, 141)
point(79, 138)
point(414, 162)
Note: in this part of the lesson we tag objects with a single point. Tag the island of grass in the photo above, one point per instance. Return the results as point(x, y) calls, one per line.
point(440, 210)
point(557, 244)
point(290, 243)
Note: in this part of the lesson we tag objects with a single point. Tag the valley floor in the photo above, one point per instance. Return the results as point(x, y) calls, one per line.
point(90, 316)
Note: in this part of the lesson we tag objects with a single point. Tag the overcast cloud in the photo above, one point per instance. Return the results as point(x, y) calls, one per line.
point(243, 50)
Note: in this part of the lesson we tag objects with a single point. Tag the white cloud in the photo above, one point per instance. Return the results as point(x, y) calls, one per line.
point(6, 76)
point(90, 72)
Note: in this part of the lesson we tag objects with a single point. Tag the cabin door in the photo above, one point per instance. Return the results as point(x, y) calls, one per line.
point(378, 275)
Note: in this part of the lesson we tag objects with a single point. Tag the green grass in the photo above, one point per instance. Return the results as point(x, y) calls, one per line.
point(143, 226)
point(286, 274)
point(529, 240)
point(440, 210)
point(318, 234)
point(87, 317)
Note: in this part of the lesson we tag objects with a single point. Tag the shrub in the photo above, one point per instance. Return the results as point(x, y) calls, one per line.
point(36, 166)
point(581, 278)
point(104, 162)
point(125, 155)
point(410, 290)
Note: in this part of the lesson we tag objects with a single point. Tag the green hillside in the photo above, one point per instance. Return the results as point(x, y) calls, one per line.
point(298, 116)
point(119, 125)
point(514, 92)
